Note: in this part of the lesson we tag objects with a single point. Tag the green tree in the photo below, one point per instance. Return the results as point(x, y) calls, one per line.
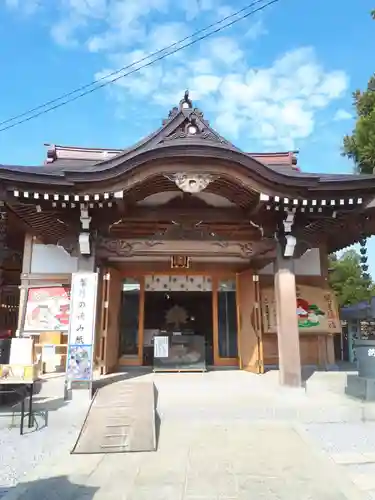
point(346, 279)
point(360, 145)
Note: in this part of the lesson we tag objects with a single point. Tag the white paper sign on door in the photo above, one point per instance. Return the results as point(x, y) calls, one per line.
point(161, 347)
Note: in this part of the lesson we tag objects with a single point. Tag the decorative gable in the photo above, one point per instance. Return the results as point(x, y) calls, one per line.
point(184, 125)
point(192, 127)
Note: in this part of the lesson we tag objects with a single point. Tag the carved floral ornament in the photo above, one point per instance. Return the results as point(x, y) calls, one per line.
point(191, 183)
point(124, 248)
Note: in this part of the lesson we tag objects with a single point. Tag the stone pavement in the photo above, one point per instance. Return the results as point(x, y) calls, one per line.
point(197, 462)
point(223, 435)
point(352, 447)
point(227, 395)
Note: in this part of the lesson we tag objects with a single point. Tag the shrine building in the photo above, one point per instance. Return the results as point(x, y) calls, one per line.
point(189, 236)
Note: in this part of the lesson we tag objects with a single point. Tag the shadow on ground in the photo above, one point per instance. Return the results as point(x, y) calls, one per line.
point(119, 377)
point(10, 410)
point(42, 407)
point(46, 489)
point(11, 394)
point(157, 417)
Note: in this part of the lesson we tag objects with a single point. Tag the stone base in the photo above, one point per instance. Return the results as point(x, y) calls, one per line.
point(360, 387)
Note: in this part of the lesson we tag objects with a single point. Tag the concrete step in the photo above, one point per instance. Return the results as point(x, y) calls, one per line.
point(327, 383)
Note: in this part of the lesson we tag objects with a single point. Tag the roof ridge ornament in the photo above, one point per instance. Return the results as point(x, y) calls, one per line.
point(186, 102)
point(172, 113)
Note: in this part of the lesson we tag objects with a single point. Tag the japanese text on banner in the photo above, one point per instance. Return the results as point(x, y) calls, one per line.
point(82, 309)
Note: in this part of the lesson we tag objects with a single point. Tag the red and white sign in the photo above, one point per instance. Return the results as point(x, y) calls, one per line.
point(47, 309)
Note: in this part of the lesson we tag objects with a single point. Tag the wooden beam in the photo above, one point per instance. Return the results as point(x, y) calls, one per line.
point(215, 228)
point(27, 255)
point(209, 214)
point(256, 207)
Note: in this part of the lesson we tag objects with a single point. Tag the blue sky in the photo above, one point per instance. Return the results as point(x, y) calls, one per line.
point(279, 80)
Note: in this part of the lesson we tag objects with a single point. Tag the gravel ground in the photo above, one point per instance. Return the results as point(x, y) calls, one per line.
point(20, 454)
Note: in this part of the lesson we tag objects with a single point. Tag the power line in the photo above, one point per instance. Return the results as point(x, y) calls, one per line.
point(97, 87)
point(73, 97)
point(116, 72)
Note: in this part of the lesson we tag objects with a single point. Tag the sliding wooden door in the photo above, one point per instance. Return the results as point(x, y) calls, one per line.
point(110, 309)
point(225, 325)
point(250, 345)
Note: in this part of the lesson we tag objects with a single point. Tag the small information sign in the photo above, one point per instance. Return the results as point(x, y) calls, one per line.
point(161, 347)
point(48, 352)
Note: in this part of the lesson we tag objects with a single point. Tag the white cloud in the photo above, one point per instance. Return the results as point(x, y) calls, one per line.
point(203, 85)
point(264, 104)
point(194, 8)
point(256, 30)
point(342, 114)
point(200, 65)
point(167, 34)
point(229, 124)
point(63, 33)
point(87, 8)
point(25, 6)
point(114, 24)
point(276, 103)
point(222, 49)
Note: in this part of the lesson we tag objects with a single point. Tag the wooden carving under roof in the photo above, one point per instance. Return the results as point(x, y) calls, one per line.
point(107, 248)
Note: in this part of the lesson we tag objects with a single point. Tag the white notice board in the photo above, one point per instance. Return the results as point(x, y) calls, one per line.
point(161, 347)
point(21, 351)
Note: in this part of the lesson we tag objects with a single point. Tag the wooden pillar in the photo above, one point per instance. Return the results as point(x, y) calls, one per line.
point(331, 361)
point(26, 270)
point(3, 241)
point(86, 263)
point(322, 351)
point(287, 321)
point(3, 252)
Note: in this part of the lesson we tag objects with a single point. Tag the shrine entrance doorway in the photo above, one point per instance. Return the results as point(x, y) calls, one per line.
point(186, 317)
point(182, 303)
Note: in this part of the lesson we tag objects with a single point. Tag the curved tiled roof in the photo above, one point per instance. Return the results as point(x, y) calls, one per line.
point(184, 135)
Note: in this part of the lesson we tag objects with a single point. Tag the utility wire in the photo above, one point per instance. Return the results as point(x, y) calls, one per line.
point(72, 97)
point(116, 72)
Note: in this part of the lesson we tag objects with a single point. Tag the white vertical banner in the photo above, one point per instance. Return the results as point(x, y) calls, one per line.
point(79, 365)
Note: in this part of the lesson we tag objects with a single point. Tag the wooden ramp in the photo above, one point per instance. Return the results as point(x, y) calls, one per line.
point(121, 419)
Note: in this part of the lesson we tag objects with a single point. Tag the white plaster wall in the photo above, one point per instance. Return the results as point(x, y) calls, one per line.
point(52, 259)
point(307, 265)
